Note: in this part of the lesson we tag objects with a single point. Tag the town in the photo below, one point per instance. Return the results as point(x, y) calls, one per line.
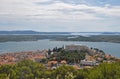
point(74, 55)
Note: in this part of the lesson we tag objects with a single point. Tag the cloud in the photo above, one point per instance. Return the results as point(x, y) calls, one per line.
point(56, 10)
point(67, 12)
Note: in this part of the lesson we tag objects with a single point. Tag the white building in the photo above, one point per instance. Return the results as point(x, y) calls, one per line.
point(88, 63)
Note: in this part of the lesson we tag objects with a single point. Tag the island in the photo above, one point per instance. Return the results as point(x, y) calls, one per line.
point(6, 36)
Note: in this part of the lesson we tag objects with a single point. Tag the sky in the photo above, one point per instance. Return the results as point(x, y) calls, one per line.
point(60, 15)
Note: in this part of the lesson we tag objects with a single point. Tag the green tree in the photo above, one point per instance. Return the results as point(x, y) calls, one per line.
point(63, 71)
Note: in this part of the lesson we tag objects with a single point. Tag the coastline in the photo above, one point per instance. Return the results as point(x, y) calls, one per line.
point(13, 57)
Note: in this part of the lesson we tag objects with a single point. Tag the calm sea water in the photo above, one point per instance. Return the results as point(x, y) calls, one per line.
point(110, 48)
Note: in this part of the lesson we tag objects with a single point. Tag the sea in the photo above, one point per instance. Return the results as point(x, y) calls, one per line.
point(10, 47)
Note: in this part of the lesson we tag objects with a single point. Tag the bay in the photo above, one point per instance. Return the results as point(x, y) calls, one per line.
point(8, 47)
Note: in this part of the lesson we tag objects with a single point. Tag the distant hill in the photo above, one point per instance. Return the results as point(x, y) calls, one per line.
point(111, 33)
point(18, 32)
point(60, 36)
point(29, 32)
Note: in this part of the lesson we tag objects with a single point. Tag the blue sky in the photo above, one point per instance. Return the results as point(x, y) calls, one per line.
point(60, 15)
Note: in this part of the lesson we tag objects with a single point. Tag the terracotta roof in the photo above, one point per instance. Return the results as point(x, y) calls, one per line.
point(63, 62)
point(52, 62)
point(76, 67)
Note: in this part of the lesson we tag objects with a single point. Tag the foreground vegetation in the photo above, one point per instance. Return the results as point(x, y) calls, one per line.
point(27, 69)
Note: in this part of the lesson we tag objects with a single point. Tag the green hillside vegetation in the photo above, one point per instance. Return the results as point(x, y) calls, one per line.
point(6, 38)
point(70, 57)
point(27, 69)
point(97, 38)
